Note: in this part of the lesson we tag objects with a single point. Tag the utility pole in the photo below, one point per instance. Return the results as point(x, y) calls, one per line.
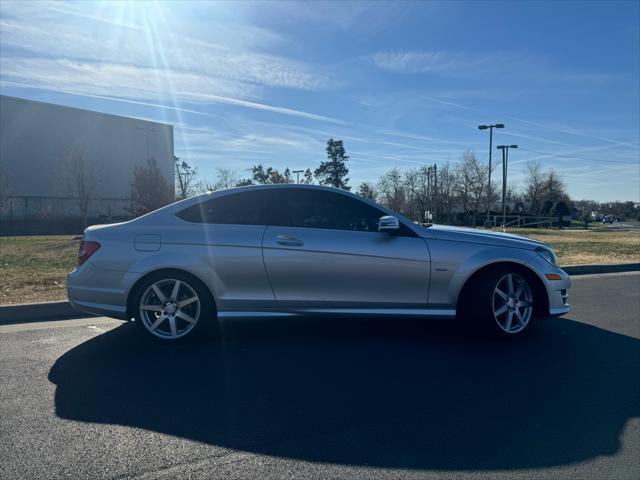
point(505, 162)
point(429, 193)
point(435, 192)
point(298, 172)
point(490, 127)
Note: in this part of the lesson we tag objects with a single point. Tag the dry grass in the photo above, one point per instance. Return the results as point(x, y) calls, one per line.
point(33, 269)
point(576, 247)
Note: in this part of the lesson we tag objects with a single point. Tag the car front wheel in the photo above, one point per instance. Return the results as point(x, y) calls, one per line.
point(500, 302)
point(512, 303)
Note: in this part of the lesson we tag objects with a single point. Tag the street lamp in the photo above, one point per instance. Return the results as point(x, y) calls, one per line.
point(505, 162)
point(298, 172)
point(490, 127)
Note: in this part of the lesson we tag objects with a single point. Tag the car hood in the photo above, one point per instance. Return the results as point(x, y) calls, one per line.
point(487, 237)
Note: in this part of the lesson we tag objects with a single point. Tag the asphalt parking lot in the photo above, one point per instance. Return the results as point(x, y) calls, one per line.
point(329, 399)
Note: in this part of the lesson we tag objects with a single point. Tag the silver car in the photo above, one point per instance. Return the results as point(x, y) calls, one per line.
point(295, 250)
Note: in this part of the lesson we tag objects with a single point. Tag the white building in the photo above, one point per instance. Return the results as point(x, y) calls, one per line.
point(36, 137)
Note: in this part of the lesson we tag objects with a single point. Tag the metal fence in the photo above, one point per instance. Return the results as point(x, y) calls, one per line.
point(520, 221)
point(30, 215)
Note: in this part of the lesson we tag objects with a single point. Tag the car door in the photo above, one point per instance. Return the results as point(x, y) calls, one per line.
point(225, 235)
point(322, 249)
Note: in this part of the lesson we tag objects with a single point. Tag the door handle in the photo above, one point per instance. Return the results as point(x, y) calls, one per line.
point(289, 241)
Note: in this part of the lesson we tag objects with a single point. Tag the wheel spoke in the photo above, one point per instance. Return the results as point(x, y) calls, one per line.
point(510, 284)
point(152, 308)
point(501, 310)
point(525, 303)
point(187, 301)
point(501, 293)
point(172, 325)
point(519, 316)
point(186, 317)
point(159, 293)
point(157, 323)
point(507, 327)
point(174, 292)
point(519, 290)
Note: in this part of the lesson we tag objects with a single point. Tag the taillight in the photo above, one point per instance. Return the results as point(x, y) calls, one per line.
point(86, 250)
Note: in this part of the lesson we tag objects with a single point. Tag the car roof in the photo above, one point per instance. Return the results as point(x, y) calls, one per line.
point(182, 204)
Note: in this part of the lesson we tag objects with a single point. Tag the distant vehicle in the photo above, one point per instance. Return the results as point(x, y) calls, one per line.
point(294, 250)
point(608, 219)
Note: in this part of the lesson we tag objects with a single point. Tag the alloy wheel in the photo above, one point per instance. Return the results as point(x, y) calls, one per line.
point(512, 303)
point(169, 309)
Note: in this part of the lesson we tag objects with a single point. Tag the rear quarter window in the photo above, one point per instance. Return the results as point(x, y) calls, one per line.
point(242, 208)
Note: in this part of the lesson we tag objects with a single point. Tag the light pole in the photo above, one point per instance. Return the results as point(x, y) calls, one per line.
point(490, 127)
point(505, 162)
point(298, 172)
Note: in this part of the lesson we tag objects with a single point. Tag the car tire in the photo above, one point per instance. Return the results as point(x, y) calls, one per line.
point(499, 303)
point(173, 307)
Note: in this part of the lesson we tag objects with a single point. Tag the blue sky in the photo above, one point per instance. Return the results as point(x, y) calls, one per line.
point(402, 83)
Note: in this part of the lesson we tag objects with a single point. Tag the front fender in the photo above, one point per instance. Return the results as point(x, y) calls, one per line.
point(453, 263)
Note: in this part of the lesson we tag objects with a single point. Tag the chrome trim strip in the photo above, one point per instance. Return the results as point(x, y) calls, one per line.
point(397, 312)
point(416, 312)
point(252, 314)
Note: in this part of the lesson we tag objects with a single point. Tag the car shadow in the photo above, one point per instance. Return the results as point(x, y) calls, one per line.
point(380, 393)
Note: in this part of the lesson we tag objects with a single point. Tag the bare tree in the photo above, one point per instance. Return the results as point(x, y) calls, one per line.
point(186, 185)
point(392, 190)
point(535, 182)
point(150, 190)
point(80, 180)
point(515, 199)
point(419, 190)
point(472, 182)
point(554, 188)
point(447, 181)
point(225, 178)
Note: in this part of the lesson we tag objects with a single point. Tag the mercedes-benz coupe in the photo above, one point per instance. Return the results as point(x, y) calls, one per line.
point(297, 250)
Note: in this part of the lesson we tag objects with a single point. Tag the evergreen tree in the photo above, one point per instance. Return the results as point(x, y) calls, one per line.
point(308, 177)
point(368, 191)
point(334, 171)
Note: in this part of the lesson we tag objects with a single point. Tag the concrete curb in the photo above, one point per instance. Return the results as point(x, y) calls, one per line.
point(593, 269)
point(36, 312)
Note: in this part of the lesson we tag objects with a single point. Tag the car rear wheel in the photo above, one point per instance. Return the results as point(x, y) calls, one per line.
point(172, 306)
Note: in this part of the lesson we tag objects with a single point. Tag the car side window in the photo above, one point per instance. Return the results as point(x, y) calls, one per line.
point(242, 208)
point(319, 209)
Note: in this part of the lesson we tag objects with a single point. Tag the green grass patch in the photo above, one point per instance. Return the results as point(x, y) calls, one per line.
point(34, 269)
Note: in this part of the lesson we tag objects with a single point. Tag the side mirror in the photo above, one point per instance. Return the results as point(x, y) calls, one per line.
point(388, 223)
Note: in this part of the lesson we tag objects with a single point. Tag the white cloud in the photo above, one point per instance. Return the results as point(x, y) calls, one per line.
point(115, 79)
point(503, 65)
point(438, 62)
point(173, 101)
point(56, 34)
